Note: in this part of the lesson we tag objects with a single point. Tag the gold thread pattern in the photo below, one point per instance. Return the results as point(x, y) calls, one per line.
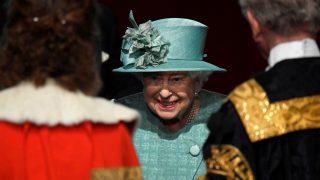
point(263, 120)
point(130, 173)
point(228, 161)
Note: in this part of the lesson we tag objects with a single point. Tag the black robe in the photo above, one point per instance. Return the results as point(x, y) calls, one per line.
point(269, 128)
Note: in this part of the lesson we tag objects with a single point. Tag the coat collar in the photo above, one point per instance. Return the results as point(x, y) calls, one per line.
point(52, 105)
point(293, 50)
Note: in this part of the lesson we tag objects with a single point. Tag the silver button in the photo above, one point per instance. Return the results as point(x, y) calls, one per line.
point(195, 150)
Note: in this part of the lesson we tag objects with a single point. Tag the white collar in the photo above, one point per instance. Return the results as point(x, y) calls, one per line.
point(291, 50)
point(52, 105)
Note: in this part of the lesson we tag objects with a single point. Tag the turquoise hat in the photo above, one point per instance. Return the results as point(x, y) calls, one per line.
point(171, 44)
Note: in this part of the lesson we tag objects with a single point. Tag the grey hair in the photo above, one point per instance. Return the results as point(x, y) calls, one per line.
point(285, 17)
point(200, 76)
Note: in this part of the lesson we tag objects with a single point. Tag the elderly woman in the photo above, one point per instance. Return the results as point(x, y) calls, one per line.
point(51, 125)
point(167, 55)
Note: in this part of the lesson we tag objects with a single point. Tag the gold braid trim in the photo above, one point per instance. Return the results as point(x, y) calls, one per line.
point(129, 173)
point(263, 120)
point(228, 161)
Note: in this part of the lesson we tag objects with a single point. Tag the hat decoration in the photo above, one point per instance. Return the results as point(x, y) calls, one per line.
point(145, 45)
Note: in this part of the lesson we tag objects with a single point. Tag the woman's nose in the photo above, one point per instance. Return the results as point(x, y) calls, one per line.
point(165, 93)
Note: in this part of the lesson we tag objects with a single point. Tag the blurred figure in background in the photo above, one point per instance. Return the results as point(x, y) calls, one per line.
point(115, 85)
point(52, 126)
point(270, 126)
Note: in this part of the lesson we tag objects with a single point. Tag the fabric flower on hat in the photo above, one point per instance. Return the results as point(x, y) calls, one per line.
point(146, 44)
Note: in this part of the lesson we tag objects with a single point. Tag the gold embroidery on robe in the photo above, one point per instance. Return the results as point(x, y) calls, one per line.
point(228, 161)
point(263, 120)
point(129, 173)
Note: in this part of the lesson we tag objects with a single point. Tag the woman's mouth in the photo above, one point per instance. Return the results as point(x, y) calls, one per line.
point(167, 105)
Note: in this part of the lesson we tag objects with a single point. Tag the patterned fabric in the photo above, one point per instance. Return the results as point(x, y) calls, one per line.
point(127, 173)
point(264, 120)
point(165, 155)
point(228, 161)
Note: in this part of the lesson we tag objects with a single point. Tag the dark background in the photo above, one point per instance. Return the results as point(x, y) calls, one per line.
point(229, 43)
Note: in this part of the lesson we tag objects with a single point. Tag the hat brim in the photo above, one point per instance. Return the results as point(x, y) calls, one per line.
point(173, 65)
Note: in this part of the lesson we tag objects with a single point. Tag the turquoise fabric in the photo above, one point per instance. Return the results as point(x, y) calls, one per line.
point(165, 155)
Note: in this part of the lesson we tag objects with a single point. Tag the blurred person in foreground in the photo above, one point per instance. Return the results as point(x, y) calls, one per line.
point(52, 126)
point(167, 55)
point(270, 126)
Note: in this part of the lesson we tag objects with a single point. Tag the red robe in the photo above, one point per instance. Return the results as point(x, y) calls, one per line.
point(36, 146)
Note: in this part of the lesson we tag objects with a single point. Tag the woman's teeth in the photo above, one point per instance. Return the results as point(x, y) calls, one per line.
point(167, 103)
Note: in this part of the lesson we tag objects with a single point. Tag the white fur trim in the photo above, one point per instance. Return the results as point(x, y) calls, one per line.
point(52, 105)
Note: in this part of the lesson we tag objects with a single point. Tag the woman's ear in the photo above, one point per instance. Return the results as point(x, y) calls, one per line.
point(198, 86)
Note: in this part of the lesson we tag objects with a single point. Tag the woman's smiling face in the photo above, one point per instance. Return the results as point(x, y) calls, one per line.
point(169, 94)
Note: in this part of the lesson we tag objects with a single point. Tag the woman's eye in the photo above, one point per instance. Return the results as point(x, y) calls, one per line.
point(176, 79)
point(155, 78)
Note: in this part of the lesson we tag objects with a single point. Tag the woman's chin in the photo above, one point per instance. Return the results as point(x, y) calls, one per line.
point(167, 116)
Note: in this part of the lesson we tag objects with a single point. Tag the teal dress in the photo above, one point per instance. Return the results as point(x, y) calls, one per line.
point(172, 156)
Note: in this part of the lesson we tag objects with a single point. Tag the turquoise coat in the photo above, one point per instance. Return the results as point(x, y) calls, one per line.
point(172, 156)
